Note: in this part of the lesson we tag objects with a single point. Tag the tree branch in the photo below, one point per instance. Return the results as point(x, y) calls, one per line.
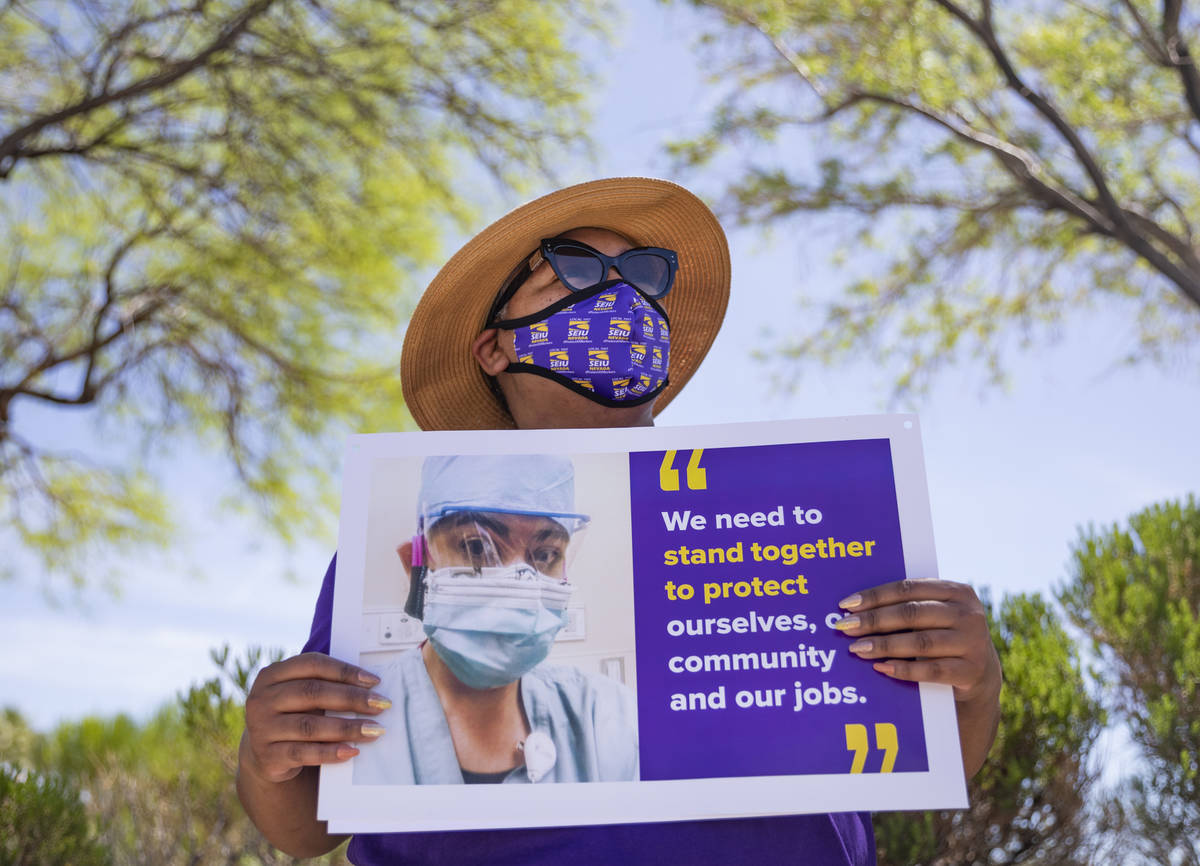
point(793, 60)
point(1179, 56)
point(123, 32)
point(87, 392)
point(819, 199)
point(1181, 247)
point(984, 32)
point(1019, 162)
point(11, 145)
point(1122, 228)
point(1145, 34)
point(1105, 216)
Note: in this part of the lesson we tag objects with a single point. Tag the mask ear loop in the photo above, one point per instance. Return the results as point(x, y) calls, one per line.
point(519, 275)
point(414, 605)
point(509, 287)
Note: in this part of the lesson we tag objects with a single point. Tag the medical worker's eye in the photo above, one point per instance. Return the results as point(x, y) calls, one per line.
point(475, 550)
point(547, 558)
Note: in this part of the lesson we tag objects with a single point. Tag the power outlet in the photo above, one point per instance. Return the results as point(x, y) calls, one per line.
point(399, 629)
point(576, 627)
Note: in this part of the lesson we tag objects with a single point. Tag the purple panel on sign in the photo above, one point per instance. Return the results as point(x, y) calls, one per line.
point(737, 575)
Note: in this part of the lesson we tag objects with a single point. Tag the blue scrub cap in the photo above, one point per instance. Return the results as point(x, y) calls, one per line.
point(536, 484)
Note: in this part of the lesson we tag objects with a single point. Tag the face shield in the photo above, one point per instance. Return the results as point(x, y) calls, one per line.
point(474, 540)
point(506, 519)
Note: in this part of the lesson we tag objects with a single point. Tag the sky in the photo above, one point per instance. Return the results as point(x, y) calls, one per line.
point(1012, 473)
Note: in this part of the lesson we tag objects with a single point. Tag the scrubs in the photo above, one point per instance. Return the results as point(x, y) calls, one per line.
point(591, 719)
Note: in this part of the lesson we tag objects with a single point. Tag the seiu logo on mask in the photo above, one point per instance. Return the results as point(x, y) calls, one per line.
point(620, 343)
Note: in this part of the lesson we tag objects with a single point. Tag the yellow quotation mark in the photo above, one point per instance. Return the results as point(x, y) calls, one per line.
point(668, 476)
point(886, 738)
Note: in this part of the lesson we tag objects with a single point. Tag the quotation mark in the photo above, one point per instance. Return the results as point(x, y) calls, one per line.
point(886, 739)
point(668, 476)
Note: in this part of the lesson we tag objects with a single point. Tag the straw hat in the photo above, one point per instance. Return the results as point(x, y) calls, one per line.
point(443, 384)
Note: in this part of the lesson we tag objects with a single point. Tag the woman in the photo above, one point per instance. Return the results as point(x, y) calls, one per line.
point(476, 702)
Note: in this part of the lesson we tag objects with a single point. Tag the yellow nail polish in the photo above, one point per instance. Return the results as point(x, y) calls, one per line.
point(847, 622)
point(370, 729)
point(378, 702)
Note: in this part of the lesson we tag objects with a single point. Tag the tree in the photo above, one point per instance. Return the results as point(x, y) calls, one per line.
point(1028, 802)
point(1007, 166)
point(210, 211)
point(1135, 592)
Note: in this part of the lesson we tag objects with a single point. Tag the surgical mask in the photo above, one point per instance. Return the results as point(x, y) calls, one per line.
point(492, 625)
point(609, 343)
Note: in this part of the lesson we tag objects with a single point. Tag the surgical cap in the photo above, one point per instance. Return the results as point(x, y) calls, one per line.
point(536, 484)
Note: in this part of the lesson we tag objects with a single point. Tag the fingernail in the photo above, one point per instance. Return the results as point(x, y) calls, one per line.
point(847, 622)
point(372, 729)
point(345, 752)
point(884, 667)
point(851, 601)
point(861, 646)
point(368, 679)
point(378, 702)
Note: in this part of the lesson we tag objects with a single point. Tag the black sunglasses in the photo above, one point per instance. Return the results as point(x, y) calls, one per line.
point(651, 270)
point(578, 267)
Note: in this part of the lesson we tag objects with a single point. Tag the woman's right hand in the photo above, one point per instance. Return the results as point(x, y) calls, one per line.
point(287, 728)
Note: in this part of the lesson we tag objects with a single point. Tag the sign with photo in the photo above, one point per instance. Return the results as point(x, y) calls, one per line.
point(603, 626)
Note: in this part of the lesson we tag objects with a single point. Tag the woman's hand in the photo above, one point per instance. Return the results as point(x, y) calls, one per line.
point(287, 728)
point(933, 631)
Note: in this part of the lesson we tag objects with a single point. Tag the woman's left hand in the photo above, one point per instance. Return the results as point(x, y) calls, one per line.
point(930, 631)
point(933, 631)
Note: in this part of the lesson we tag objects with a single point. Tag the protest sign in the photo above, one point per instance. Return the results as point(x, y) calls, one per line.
point(695, 668)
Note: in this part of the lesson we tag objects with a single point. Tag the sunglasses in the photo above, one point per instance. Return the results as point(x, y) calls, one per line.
point(651, 270)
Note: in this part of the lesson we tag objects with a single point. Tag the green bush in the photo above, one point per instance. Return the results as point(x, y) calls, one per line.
point(1134, 591)
point(157, 792)
point(1027, 804)
point(44, 822)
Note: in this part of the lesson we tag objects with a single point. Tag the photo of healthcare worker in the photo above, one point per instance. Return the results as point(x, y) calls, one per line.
point(500, 624)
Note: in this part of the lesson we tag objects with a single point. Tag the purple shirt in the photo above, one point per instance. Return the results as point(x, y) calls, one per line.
point(843, 839)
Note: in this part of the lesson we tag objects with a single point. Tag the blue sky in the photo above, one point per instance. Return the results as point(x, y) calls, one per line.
point(1012, 473)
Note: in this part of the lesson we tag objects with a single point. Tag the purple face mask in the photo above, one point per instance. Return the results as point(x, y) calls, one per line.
point(609, 343)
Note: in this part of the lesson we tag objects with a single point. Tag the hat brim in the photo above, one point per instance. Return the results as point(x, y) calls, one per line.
point(443, 384)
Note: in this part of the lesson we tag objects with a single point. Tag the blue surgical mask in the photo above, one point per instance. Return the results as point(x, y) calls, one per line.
point(609, 343)
point(491, 626)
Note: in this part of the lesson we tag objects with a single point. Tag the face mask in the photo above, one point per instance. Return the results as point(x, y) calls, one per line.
point(491, 626)
point(609, 343)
